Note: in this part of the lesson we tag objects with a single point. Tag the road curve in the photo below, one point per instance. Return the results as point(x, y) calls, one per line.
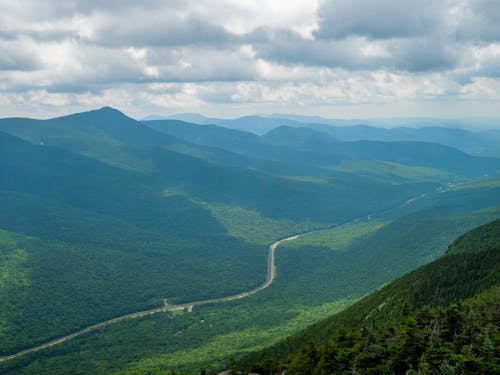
point(271, 275)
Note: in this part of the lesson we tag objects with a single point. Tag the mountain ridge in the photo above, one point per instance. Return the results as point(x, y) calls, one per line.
point(469, 269)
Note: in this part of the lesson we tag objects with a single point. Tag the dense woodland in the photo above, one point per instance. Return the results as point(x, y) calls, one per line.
point(103, 215)
point(462, 338)
point(443, 318)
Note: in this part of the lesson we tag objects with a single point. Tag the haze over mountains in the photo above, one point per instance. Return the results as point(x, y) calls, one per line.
point(103, 215)
point(471, 135)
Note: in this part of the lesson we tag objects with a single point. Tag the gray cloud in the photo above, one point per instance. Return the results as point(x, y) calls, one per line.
point(290, 48)
point(379, 19)
point(51, 10)
point(359, 53)
point(422, 55)
point(479, 21)
point(16, 59)
point(114, 23)
point(214, 51)
point(160, 30)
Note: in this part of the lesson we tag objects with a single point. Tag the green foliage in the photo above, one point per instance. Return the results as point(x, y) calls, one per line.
point(339, 238)
point(242, 326)
point(398, 160)
point(460, 338)
point(311, 274)
point(73, 286)
point(388, 170)
point(253, 227)
point(486, 236)
point(12, 263)
point(382, 333)
point(108, 217)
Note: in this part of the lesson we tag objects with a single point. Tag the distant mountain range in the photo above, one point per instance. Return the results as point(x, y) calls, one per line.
point(479, 136)
point(320, 145)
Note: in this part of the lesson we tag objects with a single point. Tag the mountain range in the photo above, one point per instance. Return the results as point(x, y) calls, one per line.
point(103, 216)
point(478, 136)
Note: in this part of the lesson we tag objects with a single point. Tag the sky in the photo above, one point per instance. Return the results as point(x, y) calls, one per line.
point(228, 58)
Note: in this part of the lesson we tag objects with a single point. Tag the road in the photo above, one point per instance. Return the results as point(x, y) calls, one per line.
point(271, 275)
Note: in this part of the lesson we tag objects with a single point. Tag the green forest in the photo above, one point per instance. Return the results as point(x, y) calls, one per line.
point(442, 318)
point(459, 339)
point(102, 216)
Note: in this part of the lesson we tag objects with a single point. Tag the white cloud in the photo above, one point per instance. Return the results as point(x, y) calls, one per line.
point(484, 88)
point(242, 55)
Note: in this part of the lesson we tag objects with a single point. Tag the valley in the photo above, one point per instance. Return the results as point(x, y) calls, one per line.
point(271, 274)
point(104, 217)
point(222, 187)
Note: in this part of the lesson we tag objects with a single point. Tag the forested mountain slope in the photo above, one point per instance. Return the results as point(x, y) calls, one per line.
point(104, 216)
point(445, 313)
point(449, 132)
point(152, 227)
point(317, 148)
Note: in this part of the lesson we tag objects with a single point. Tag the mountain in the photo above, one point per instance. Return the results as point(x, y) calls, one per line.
point(100, 134)
point(472, 142)
point(317, 149)
point(470, 135)
point(253, 124)
point(472, 123)
point(405, 152)
point(442, 313)
point(209, 135)
point(189, 117)
point(59, 191)
point(114, 124)
point(68, 214)
point(274, 196)
point(301, 139)
point(104, 216)
point(250, 145)
point(112, 137)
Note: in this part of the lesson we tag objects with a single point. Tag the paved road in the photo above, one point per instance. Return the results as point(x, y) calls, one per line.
point(271, 274)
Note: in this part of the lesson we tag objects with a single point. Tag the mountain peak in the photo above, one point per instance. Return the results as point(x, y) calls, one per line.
point(108, 109)
point(101, 114)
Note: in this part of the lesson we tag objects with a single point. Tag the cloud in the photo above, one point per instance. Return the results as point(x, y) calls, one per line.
point(159, 29)
point(357, 52)
point(478, 21)
point(379, 19)
point(247, 53)
point(13, 58)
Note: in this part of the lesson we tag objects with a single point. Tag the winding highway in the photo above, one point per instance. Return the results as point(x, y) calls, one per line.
point(271, 275)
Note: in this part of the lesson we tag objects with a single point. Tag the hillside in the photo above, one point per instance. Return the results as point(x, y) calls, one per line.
point(317, 148)
point(103, 216)
point(255, 124)
point(248, 144)
point(422, 319)
point(465, 140)
point(413, 153)
point(365, 255)
point(280, 190)
point(63, 200)
point(448, 132)
point(68, 214)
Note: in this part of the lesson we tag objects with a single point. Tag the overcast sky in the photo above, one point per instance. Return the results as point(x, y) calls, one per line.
point(340, 58)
